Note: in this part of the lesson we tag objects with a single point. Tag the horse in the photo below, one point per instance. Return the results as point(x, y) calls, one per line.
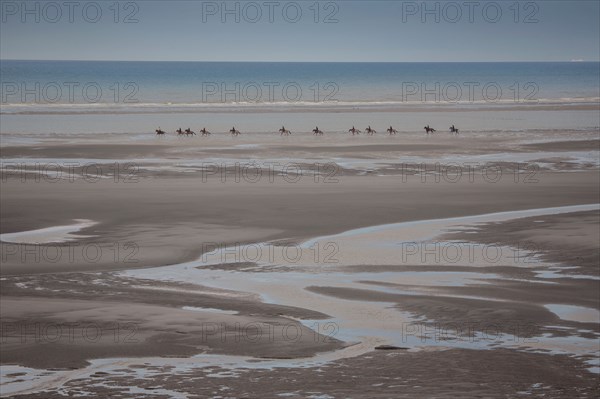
point(283, 131)
point(316, 131)
point(453, 130)
point(354, 131)
point(205, 132)
point(370, 131)
point(234, 132)
point(159, 131)
point(189, 132)
point(391, 131)
point(429, 129)
point(179, 132)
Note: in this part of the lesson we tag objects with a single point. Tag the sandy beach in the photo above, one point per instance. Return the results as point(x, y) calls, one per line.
point(299, 199)
point(269, 266)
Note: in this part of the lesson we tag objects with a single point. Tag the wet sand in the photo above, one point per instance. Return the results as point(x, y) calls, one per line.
point(177, 209)
point(399, 374)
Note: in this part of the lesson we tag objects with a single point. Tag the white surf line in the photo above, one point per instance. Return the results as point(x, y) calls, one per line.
point(55, 234)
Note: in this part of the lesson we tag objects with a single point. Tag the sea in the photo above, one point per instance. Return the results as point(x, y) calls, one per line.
point(49, 97)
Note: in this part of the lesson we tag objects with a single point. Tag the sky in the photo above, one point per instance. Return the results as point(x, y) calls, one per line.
point(269, 30)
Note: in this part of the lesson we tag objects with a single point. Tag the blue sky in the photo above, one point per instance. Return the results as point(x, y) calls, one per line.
point(403, 31)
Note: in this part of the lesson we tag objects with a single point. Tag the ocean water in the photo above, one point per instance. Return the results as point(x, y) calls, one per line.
point(41, 95)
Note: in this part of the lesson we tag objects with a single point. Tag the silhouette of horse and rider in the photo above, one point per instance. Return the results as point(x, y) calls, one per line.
point(370, 131)
point(354, 131)
point(429, 129)
point(316, 131)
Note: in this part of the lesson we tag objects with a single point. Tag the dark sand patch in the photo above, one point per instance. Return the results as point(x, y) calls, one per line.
point(171, 220)
point(70, 318)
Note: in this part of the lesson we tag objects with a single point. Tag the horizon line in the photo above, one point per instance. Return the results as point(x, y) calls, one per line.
point(315, 62)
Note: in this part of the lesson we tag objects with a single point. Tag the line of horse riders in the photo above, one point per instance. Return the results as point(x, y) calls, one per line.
point(316, 131)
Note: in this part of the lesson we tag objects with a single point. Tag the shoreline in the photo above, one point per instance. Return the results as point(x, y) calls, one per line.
point(250, 122)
